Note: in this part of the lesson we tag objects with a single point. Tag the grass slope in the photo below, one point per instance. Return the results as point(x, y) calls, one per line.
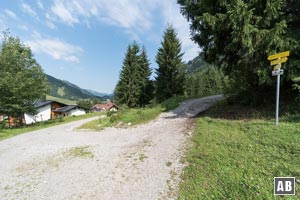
point(238, 159)
point(65, 101)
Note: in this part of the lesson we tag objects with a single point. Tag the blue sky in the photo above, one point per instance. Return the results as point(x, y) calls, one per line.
point(84, 41)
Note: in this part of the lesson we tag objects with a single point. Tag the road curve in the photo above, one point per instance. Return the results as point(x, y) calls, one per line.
point(140, 162)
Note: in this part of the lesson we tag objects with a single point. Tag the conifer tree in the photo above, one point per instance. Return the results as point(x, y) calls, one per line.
point(126, 91)
point(147, 87)
point(134, 86)
point(170, 73)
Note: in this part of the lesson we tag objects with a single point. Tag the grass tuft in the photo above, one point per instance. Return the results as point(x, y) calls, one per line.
point(168, 164)
point(82, 152)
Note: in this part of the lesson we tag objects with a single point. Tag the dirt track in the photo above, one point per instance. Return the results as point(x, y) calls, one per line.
point(140, 162)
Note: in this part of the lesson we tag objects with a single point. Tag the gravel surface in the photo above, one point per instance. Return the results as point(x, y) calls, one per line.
point(139, 163)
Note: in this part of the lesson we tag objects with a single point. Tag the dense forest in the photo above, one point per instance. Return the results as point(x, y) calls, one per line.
point(238, 36)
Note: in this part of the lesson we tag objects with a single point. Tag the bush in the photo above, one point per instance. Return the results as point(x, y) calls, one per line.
point(110, 113)
point(114, 117)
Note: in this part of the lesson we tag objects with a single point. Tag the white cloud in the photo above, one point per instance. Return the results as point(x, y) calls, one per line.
point(50, 25)
point(27, 9)
point(129, 14)
point(10, 13)
point(36, 34)
point(62, 12)
point(135, 17)
point(40, 4)
point(57, 49)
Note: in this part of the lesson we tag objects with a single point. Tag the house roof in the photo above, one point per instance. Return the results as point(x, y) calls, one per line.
point(40, 103)
point(66, 108)
point(106, 106)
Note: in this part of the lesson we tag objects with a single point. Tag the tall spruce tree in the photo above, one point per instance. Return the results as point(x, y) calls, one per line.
point(22, 80)
point(134, 86)
point(239, 35)
point(147, 87)
point(127, 89)
point(170, 72)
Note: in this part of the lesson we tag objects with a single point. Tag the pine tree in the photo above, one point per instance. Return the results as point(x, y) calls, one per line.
point(134, 87)
point(147, 87)
point(126, 89)
point(170, 73)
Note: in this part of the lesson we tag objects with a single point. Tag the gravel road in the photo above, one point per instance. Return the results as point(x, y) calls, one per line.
point(139, 163)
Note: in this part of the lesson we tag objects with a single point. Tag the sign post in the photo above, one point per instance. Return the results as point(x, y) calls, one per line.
point(276, 60)
point(277, 96)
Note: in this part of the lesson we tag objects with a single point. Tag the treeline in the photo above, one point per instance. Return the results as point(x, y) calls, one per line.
point(205, 82)
point(238, 36)
point(173, 76)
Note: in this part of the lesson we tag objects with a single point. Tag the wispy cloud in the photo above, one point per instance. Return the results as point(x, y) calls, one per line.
point(56, 48)
point(135, 17)
point(62, 12)
point(27, 9)
point(40, 4)
point(50, 25)
point(10, 13)
point(128, 14)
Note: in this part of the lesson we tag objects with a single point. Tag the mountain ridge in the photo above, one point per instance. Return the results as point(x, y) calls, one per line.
point(67, 90)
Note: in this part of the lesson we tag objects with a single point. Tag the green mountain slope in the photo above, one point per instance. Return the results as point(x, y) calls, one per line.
point(65, 101)
point(196, 64)
point(66, 90)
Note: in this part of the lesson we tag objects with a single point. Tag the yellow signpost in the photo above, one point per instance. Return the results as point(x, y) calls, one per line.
point(276, 67)
point(276, 60)
point(279, 55)
point(279, 60)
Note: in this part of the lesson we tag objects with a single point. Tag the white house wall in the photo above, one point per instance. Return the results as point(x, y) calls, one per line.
point(76, 112)
point(44, 114)
point(113, 109)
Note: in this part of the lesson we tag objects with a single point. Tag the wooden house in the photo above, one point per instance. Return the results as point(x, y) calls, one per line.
point(71, 110)
point(105, 107)
point(45, 111)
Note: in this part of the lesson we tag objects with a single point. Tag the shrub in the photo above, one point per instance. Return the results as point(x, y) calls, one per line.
point(114, 117)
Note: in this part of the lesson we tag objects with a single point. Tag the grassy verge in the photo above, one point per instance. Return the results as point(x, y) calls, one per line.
point(237, 156)
point(123, 118)
point(7, 133)
point(126, 117)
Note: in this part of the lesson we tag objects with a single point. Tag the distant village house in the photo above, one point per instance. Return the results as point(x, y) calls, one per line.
point(105, 107)
point(71, 110)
